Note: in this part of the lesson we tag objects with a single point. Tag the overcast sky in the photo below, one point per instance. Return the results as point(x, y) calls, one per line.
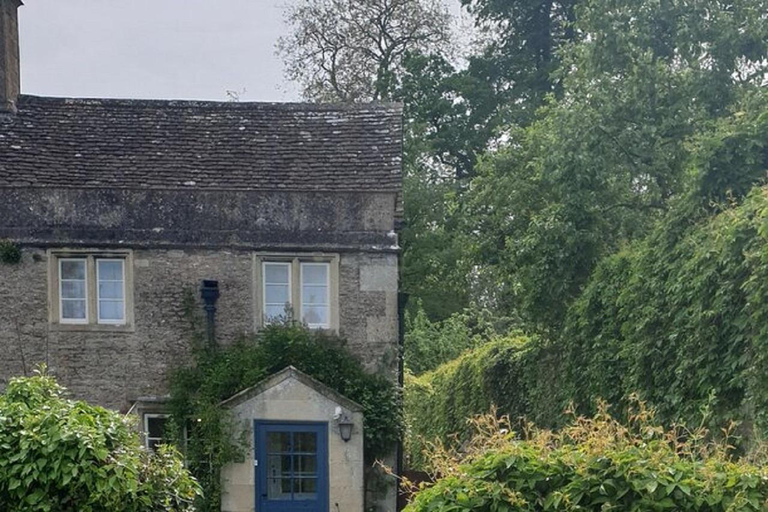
point(182, 49)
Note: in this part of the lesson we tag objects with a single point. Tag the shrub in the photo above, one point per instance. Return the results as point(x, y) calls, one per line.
point(515, 374)
point(219, 373)
point(591, 464)
point(64, 455)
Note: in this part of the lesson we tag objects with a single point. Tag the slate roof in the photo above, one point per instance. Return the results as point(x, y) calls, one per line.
point(104, 143)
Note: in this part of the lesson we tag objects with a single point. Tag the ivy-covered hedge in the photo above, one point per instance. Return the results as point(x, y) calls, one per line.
point(220, 372)
point(64, 455)
point(512, 373)
point(681, 319)
point(593, 464)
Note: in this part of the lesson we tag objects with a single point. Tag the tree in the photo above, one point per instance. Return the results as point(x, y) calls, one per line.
point(353, 50)
point(602, 161)
point(63, 455)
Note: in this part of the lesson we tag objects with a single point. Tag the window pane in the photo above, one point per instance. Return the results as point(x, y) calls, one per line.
point(304, 465)
point(111, 290)
point(312, 295)
point(73, 309)
point(276, 273)
point(73, 269)
point(305, 489)
point(315, 316)
point(306, 442)
point(111, 310)
point(275, 313)
point(278, 442)
point(156, 427)
point(276, 294)
point(73, 289)
point(314, 273)
point(279, 466)
point(110, 270)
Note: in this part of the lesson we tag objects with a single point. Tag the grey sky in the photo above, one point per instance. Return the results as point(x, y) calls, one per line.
point(195, 49)
point(183, 49)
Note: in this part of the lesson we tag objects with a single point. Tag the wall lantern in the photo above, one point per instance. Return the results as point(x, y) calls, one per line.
point(345, 429)
point(345, 425)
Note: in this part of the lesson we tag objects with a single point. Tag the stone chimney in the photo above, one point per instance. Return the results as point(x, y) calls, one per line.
point(10, 71)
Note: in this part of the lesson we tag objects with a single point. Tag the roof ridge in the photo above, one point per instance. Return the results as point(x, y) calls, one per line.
point(26, 99)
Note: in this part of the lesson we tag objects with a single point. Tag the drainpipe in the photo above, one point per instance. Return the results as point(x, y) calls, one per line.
point(209, 292)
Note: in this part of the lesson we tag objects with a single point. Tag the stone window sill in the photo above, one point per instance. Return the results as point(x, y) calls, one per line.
point(56, 327)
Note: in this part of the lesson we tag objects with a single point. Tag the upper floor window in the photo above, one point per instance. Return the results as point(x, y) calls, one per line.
point(315, 295)
point(304, 288)
point(90, 289)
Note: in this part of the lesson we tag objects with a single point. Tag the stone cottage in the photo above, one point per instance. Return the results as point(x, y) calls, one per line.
point(121, 207)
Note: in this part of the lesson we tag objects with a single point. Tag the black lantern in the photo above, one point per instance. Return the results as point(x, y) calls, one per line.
point(345, 428)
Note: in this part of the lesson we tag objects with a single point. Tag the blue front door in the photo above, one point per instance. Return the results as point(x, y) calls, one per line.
point(291, 467)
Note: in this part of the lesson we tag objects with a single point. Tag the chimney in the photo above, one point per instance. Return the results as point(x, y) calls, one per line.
point(10, 72)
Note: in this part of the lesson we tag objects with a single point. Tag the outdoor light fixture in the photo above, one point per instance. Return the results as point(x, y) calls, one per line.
point(345, 428)
point(345, 424)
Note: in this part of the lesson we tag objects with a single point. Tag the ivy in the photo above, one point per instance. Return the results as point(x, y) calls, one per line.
point(220, 372)
point(10, 252)
point(681, 319)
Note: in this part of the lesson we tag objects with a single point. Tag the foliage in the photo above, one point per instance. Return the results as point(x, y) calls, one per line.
point(593, 463)
point(10, 252)
point(642, 91)
point(678, 318)
point(516, 374)
point(63, 455)
point(430, 344)
point(353, 50)
point(219, 373)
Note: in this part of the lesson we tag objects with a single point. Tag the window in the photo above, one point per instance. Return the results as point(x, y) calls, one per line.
point(277, 291)
point(73, 291)
point(315, 300)
point(110, 274)
point(90, 290)
point(154, 430)
point(304, 288)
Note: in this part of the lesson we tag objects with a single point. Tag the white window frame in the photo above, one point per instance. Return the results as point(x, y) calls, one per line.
point(56, 257)
point(74, 321)
point(327, 266)
point(294, 260)
point(147, 417)
point(264, 283)
point(99, 320)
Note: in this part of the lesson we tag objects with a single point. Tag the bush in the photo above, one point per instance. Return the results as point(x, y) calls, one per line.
point(64, 455)
point(515, 374)
point(592, 464)
point(681, 319)
point(219, 373)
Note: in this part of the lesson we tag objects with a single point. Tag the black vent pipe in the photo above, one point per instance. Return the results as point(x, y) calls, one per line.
point(209, 292)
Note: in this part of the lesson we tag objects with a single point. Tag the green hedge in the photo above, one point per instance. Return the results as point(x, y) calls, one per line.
point(511, 373)
point(681, 319)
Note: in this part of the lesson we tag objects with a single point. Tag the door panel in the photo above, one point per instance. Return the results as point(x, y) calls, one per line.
point(291, 467)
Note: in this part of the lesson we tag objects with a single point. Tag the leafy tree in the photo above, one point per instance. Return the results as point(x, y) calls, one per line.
point(353, 50)
point(63, 455)
point(600, 164)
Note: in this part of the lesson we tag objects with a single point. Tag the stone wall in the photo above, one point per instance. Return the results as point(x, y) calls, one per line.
point(114, 368)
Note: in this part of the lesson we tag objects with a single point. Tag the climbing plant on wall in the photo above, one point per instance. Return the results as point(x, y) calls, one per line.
point(220, 372)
